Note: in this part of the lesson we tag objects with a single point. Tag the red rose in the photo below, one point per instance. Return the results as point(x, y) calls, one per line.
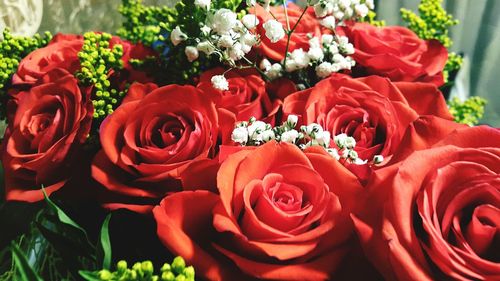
point(150, 140)
point(373, 110)
point(245, 98)
point(308, 25)
point(51, 122)
point(280, 215)
point(397, 53)
point(61, 52)
point(436, 215)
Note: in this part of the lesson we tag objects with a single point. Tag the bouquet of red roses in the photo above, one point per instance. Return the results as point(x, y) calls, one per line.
point(255, 140)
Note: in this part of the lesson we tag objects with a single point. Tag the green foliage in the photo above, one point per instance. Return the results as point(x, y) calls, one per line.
point(433, 22)
point(144, 271)
point(141, 22)
point(468, 112)
point(12, 50)
point(97, 59)
point(371, 18)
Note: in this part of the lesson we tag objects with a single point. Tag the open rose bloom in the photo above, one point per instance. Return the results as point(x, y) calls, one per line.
point(248, 140)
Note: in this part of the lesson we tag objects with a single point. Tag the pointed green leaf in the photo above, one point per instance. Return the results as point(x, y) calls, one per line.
point(22, 265)
point(89, 275)
point(105, 244)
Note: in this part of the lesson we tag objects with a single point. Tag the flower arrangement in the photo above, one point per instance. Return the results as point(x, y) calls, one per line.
point(246, 140)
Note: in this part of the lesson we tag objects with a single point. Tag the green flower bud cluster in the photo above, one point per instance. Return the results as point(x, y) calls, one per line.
point(454, 62)
point(144, 271)
point(12, 50)
point(371, 18)
point(141, 22)
point(97, 58)
point(468, 112)
point(432, 23)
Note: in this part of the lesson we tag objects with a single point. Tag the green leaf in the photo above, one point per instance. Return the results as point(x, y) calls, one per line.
point(22, 265)
point(105, 248)
point(61, 214)
point(89, 275)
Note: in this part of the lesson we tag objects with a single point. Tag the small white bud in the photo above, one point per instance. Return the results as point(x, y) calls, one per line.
point(177, 36)
point(290, 136)
point(314, 42)
point(321, 9)
point(334, 153)
point(236, 52)
point(377, 159)
point(256, 129)
point(359, 161)
point(268, 135)
point(251, 3)
point(340, 140)
point(292, 120)
point(274, 30)
point(191, 53)
point(313, 129)
point(301, 58)
point(219, 82)
point(350, 142)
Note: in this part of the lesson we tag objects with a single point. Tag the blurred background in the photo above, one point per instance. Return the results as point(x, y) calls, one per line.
point(477, 36)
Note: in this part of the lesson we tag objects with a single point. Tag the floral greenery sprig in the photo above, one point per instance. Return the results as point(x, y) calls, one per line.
point(371, 18)
point(469, 111)
point(144, 271)
point(12, 50)
point(97, 59)
point(255, 133)
point(433, 22)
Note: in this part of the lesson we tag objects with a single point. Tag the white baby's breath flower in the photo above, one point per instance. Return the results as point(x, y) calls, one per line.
point(256, 129)
point(177, 36)
point(274, 30)
point(323, 138)
point(250, 21)
point(225, 41)
point(328, 22)
point(191, 53)
point(290, 136)
point(326, 39)
point(361, 10)
point(321, 9)
point(249, 39)
point(314, 43)
point(301, 58)
point(275, 71)
point(265, 64)
point(340, 140)
point(350, 142)
point(219, 82)
point(315, 54)
point(324, 69)
point(205, 4)
point(334, 153)
point(223, 21)
point(205, 47)
point(240, 135)
point(236, 52)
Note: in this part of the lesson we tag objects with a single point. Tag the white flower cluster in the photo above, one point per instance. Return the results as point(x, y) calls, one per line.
point(254, 133)
point(222, 35)
point(328, 55)
point(340, 10)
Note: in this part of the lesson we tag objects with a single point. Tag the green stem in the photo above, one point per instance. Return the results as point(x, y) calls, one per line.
point(289, 35)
